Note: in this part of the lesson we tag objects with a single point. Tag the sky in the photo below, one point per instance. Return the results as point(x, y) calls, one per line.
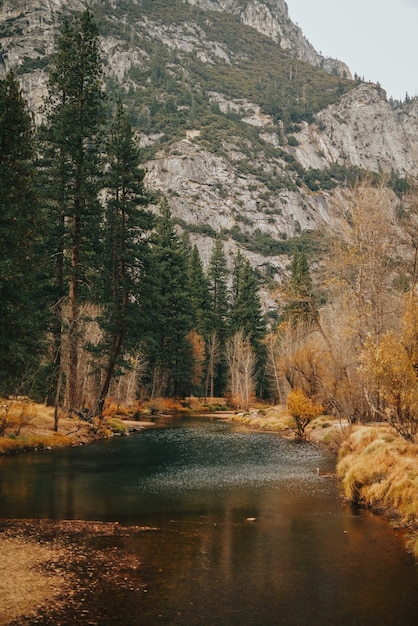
point(377, 39)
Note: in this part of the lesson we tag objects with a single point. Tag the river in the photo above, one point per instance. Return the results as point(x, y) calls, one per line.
point(249, 533)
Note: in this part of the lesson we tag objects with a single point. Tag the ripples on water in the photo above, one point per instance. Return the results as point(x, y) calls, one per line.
point(214, 458)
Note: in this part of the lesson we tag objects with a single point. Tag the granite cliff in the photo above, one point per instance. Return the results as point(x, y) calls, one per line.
point(245, 127)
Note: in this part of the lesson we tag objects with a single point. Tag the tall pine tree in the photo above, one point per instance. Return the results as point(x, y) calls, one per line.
point(219, 310)
point(301, 306)
point(170, 352)
point(246, 313)
point(198, 292)
point(125, 249)
point(21, 308)
point(72, 172)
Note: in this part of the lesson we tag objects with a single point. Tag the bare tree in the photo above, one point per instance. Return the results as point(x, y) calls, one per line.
point(362, 263)
point(214, 353)
point(242, 370)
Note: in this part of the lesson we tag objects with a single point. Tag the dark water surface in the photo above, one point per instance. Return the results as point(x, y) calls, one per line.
point(249, 535)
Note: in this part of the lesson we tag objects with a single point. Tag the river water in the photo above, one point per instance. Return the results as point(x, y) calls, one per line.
point(249, 533)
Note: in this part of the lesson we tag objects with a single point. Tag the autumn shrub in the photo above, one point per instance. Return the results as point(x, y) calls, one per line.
point(391, 365)
point(194, 404)
point(14, 414)
point(116, 426)
point(116, 409)
point(303, 410)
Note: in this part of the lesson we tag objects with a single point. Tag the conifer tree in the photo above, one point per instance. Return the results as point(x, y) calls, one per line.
point(71, 167)
point(300, 305)
point(198, 291)
point(219, 309)
point(199, 298)
point(125, 248)
point(21, 308)
point(170, 352)
point(246, 313)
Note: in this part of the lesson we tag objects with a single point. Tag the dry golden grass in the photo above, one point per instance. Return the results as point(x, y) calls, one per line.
point(380, 469)
point(269, 419)
point(30, 426)
point(24, 443)
point(323, 429)
point(162, 405)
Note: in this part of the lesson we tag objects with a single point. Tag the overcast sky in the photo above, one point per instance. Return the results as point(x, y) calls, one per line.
point(377, 39)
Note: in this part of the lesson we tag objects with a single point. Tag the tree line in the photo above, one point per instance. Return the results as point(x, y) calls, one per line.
point(349, 342)
point(98, 294)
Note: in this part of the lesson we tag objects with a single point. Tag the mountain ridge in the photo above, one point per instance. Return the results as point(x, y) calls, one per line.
point(242, 136)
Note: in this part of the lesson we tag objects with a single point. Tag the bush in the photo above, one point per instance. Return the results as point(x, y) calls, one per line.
point(303, 410)
point(117, 426)
point(162, 406)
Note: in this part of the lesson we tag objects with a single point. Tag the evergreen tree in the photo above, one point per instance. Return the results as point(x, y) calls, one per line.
point(198, 292)
point(71, 166)
point(246, 312)
point(218, 289)
point(199, 298)
point(300, 305)
point(125, 248)
point(21, 308)
point(219, 309)
point(169, 349)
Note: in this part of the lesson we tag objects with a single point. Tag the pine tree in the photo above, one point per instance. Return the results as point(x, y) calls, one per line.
point(198, 292)
point(125, 248)
point(219, 309)
point(21, 308)
point(170, 352)
point(199, 298)
point(71, 168)
point(300, 305)
point(246, 313)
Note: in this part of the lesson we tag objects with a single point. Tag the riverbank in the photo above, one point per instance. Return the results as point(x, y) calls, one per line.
point(55, 564)
point(377, 468)
point(30, 426)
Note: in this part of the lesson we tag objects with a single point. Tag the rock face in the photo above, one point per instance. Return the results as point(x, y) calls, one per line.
point(271, 18)
point(363, 130)
point(253, 186)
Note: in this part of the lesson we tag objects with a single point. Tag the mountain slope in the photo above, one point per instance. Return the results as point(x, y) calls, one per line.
point(241, 126)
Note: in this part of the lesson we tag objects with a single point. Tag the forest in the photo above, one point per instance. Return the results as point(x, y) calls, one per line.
point(102, 296)
point(99, 294)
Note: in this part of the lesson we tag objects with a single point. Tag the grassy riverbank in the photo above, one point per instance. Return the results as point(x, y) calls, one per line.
point(377, 468)
point(25, 426)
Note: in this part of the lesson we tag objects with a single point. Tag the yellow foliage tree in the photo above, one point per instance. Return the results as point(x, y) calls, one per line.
point(392, 365)
point(197, 345)
point(303, 410)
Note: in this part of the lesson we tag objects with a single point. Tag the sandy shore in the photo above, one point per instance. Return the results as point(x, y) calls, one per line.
point(51, 571)
point(27, 577)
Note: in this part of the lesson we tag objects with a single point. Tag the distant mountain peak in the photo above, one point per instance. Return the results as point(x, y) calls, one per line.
point(271, 18)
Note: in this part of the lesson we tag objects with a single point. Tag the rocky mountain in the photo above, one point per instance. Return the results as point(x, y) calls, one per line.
point(245, 128)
